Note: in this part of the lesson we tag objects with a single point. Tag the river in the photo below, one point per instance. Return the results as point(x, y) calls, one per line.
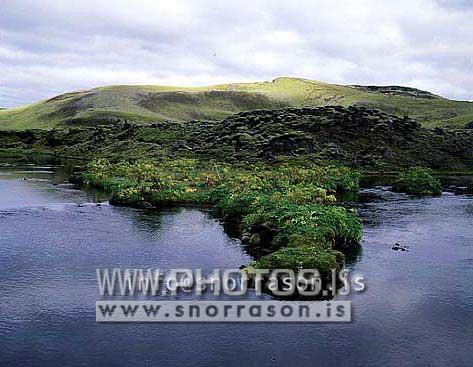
point(417, 308)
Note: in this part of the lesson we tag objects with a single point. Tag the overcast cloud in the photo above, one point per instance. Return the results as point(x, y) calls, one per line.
point(51, 47)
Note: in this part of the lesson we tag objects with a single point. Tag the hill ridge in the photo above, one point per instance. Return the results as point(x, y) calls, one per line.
point(151, 103)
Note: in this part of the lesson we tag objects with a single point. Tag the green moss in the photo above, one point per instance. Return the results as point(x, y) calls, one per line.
point(297, 258)
point(418, 181)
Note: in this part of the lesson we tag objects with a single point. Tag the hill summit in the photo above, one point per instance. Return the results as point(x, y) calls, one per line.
point(149, 104)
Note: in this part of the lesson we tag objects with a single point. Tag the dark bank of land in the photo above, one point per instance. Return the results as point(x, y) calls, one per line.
point(355, 136)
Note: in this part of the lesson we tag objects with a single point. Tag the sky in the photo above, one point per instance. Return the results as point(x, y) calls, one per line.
point(52, 47)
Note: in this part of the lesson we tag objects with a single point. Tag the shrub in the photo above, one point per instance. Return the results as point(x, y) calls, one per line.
point(98, 172)
point(418, 181)
point(310, 224)
point(127, 196)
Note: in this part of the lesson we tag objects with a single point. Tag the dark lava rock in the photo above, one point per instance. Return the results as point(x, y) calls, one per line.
point(399, 247)
point(353, 135)
point(397, 91)
point(262, 234)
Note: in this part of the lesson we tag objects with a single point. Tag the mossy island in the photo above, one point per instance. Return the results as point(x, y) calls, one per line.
point(289, 215)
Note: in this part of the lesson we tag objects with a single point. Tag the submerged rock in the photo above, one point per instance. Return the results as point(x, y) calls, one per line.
point(399, 247)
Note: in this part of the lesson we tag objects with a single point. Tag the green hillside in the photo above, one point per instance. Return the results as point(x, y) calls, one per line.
point(146, 104)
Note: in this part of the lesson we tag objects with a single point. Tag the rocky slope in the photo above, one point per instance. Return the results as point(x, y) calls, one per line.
point(353, 135)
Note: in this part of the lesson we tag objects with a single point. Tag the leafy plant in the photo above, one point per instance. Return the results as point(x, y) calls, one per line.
point(418, 181)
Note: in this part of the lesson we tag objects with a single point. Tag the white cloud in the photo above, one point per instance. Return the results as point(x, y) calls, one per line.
point(51, 47)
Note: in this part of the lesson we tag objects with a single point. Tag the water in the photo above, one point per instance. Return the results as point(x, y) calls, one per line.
point(417, 309)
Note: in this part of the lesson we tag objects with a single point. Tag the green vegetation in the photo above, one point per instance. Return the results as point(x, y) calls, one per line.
point(296, 258)
point(418, 181)
point(147, 104)
point(290, 210)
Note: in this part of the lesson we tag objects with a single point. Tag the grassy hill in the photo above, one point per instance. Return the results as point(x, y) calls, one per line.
point(147, 104)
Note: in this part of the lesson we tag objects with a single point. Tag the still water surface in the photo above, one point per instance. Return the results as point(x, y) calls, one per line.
point(417, 308)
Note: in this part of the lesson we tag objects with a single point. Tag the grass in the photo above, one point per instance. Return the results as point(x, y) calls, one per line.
point(291, 210)
point(145, 104)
